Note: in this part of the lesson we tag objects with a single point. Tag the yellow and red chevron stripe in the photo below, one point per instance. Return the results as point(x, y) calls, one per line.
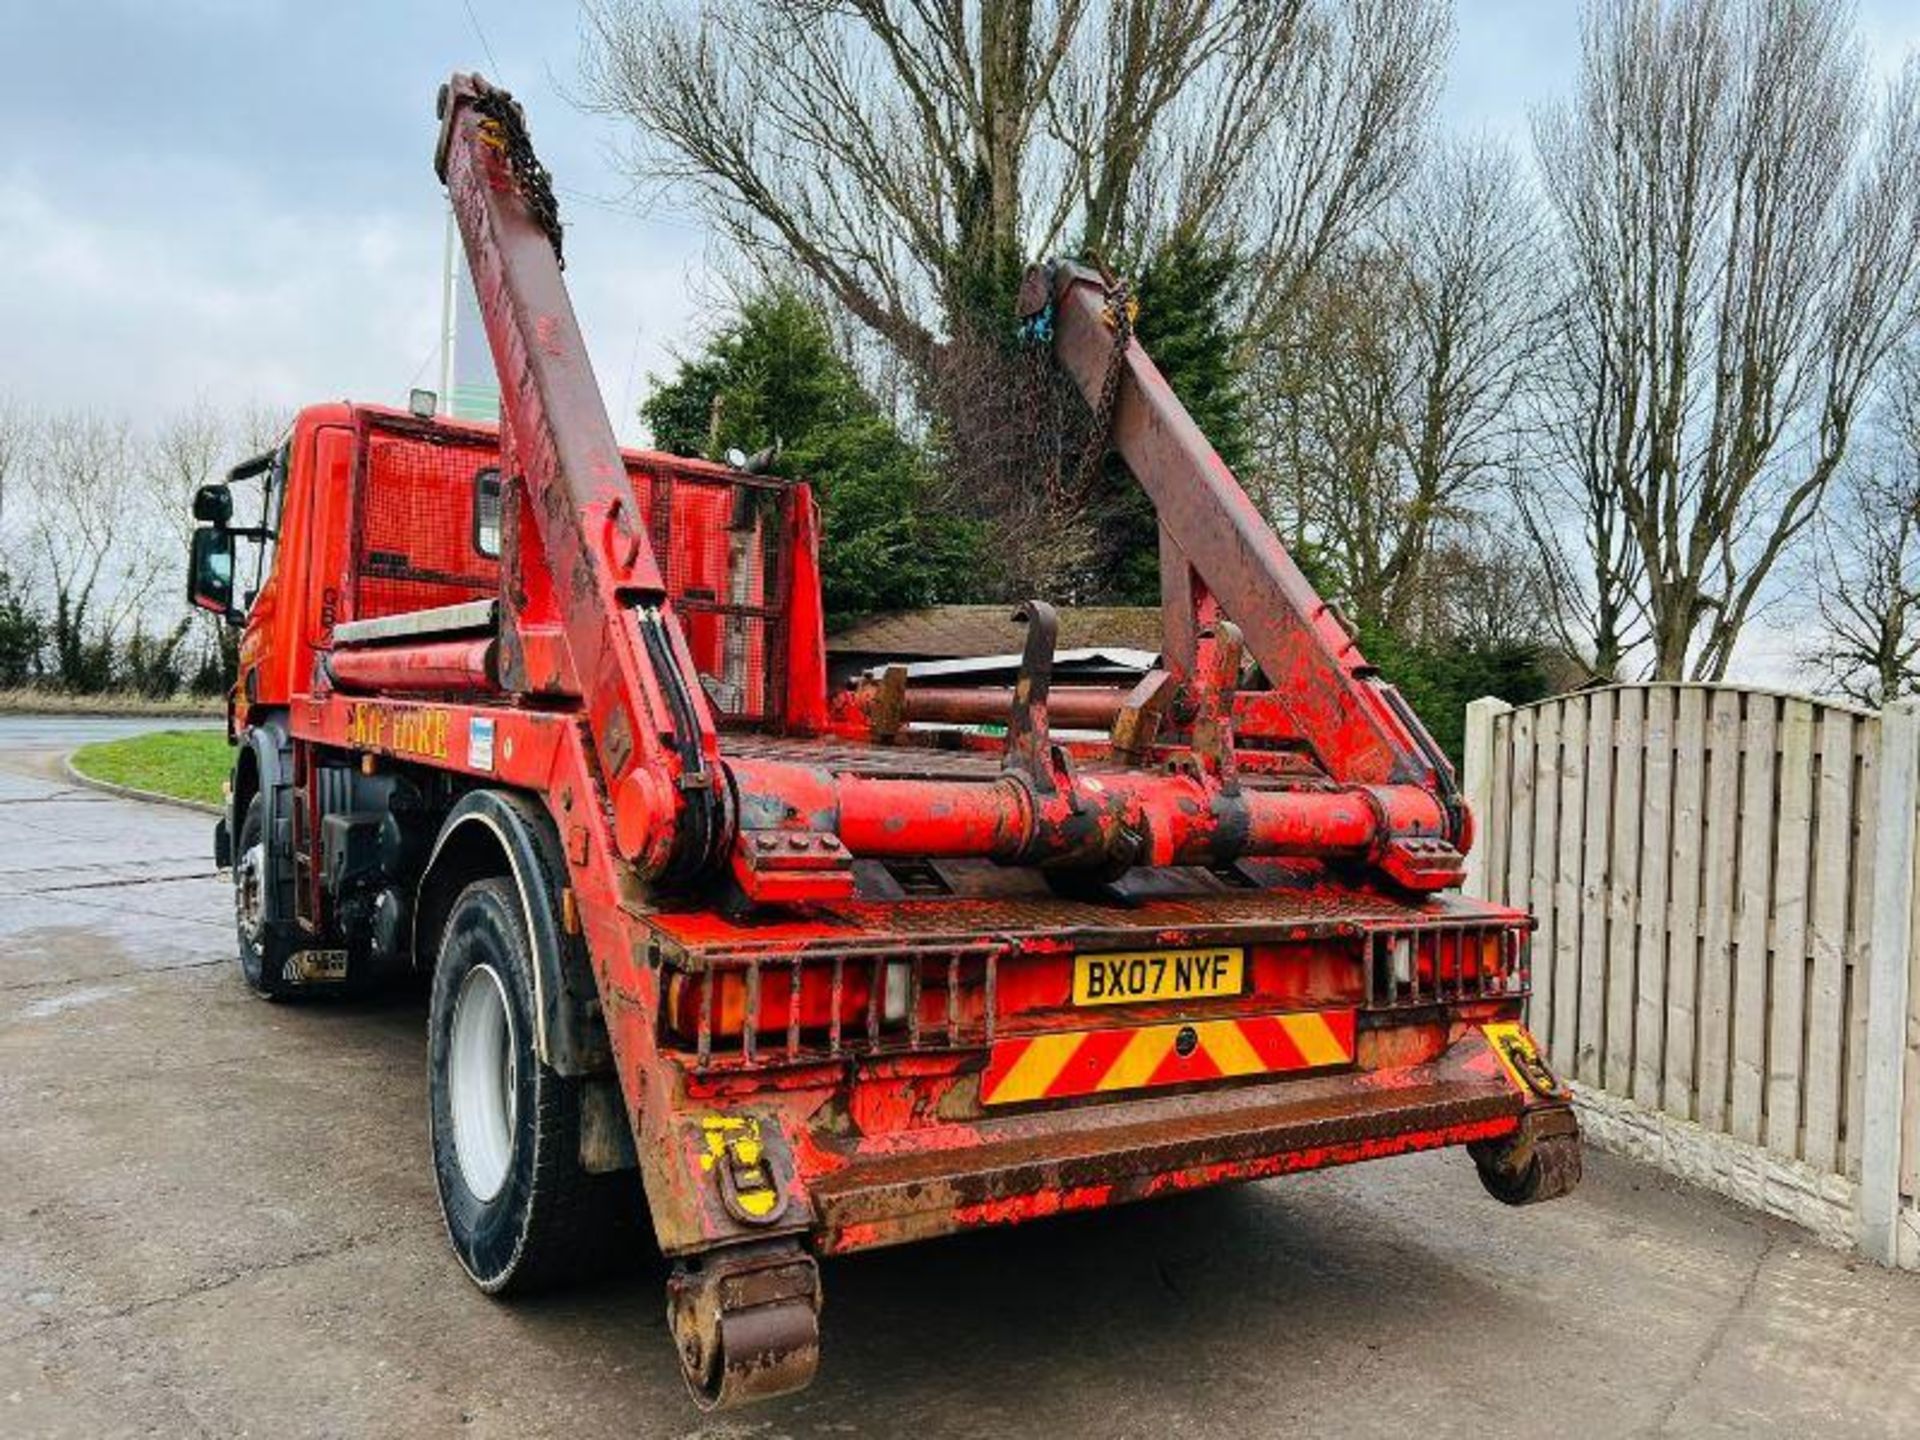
point(1088, 1062)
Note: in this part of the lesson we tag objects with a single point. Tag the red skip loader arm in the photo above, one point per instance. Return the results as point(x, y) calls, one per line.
point(1216, 546)
point(653, 732)
point(789, 830)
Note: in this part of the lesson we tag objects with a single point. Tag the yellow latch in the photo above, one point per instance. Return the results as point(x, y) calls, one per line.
point(1521, 1058)
point(737, 1153)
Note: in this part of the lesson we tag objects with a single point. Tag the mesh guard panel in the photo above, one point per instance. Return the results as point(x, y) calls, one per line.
point(415, 543)
point(718, 539)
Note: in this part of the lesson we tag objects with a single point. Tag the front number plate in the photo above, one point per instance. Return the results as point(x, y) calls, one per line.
point(1129, 977)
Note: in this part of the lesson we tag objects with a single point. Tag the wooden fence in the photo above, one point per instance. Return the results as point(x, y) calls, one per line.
point(1723, 880)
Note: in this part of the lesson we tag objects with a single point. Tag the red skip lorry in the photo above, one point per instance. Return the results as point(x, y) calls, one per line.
point(548, 724)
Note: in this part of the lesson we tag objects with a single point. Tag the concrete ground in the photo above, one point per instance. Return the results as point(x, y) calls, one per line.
point(216, 1218)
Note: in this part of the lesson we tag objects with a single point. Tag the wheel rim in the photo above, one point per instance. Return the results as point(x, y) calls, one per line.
point(481, 1088)
point(246, 892)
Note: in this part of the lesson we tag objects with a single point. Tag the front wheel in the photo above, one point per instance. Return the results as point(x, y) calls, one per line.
point(262, 961)
point(506, 1128)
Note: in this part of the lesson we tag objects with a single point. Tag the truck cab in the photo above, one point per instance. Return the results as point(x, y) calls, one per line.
point(366, 512)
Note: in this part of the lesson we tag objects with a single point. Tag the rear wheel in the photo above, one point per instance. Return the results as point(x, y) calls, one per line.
point(520, 1211)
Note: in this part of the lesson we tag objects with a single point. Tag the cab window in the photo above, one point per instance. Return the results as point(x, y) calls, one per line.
point(486, 512)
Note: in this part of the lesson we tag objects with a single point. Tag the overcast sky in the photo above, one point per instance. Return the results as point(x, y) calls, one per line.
point(234, 198)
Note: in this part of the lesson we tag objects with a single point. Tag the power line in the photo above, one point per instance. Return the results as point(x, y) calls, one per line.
point(421, 368)
point(628, 397)
point(499, 75)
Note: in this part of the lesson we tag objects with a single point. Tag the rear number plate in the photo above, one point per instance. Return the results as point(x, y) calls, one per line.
point(1129, 977)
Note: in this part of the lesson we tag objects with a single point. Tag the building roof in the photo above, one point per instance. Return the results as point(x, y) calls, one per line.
point(952, 632)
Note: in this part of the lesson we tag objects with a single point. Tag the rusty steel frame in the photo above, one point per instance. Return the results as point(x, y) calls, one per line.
point(1384, 786)
point(1310, 824)
point(1054, 1160)
point(622, 637)
point(1219, 554)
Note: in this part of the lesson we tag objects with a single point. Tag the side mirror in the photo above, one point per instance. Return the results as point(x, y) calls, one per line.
point(210, 571)
point(213, 505)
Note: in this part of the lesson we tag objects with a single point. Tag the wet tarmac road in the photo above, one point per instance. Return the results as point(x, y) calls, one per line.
point(216, 1218)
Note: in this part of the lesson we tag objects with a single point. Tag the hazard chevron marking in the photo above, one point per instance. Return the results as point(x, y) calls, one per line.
point(1064, 1064)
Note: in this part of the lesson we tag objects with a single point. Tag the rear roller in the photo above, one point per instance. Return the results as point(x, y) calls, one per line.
point(1540, 1162)
point(746, 1323)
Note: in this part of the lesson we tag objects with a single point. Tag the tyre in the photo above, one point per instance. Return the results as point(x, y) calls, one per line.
point(505, 1128)
point(261, 960)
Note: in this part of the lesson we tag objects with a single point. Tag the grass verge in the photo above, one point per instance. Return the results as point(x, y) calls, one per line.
point(186, 764)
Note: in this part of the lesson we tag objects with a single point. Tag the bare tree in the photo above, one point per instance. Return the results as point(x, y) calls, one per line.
point(22, 628)
point(16, 432)
point(910, 159)
point(195, 446)
point(98, 519)
point(189, 448)
point(1583, 439)
point(1486, 591)
point(1741, 234)
point(184, 451)
point(1347, 134)
point(1387, 405)
point(1866, 569)
point(913, 157)
point(83, 535)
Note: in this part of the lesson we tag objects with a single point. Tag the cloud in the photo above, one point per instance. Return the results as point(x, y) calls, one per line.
point(101, 304)
point(222, 199)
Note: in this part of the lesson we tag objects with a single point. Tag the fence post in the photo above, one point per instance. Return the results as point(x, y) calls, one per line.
point(1477, 782)
point(1887, 983)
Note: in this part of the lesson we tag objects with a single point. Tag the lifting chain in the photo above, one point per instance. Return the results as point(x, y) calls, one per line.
point(505, 128)
point(1121, 308)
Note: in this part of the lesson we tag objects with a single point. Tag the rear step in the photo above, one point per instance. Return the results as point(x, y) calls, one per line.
point(1060, 1159)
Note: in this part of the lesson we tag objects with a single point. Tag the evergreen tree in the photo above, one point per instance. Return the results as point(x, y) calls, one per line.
point(1441, 676)
point(23, 634)
point(773, 374)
